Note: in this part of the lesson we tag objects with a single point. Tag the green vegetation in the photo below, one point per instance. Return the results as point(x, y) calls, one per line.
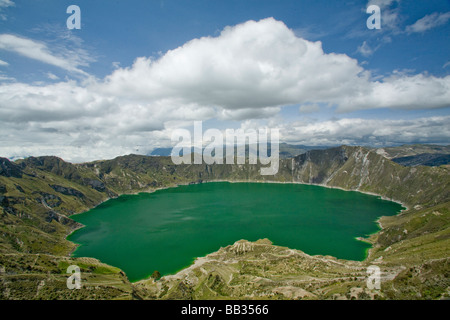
point(38, 196)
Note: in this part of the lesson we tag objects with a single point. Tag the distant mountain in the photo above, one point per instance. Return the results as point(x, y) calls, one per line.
point(413, 150)
point(161, 152)
point(424, 159)
point(418, 154)
point(286, 150)
point(293, 150)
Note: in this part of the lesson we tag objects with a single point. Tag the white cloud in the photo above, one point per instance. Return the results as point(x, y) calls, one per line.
point(250, 71)
point(6, 3)
point(52, 76)
point(89, 145)
point(429, 22)
point(367, 131)
point(252, 65)
point(309, 108)
point(39, 51)
point(365, 49)
point(72, 154)
point(248, 113)
point(65, 101)
point(4, 77)
point(3, 63)
point(265, 65)
point(401, 92)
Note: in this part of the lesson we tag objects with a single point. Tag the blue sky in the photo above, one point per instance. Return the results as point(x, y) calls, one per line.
point(138, 69)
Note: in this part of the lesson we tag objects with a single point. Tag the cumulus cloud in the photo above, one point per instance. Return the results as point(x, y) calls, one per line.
point(253, 65)
point(248, 113)
point(401, 92)
point(428, 22)
point(230, 71)
point(264, 65)
point(367, 131)
point(249, 71)
point(309, 108)
point(64, 101)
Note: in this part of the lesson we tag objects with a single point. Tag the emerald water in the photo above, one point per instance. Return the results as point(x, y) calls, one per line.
point(166, 230)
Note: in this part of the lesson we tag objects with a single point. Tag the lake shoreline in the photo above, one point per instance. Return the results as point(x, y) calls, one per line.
point(152, 190)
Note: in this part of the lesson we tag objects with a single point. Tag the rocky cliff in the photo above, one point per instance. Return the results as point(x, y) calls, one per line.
point(38, 195)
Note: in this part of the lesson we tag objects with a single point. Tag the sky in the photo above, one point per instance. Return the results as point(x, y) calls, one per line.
point(137, 70)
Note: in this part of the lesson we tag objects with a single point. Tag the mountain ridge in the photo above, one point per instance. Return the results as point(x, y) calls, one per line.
point(39, 194)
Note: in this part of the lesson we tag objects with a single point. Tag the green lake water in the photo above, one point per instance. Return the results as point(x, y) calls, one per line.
point(166, 230)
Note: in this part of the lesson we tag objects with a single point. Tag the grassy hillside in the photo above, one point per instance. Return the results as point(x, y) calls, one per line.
point(38, 195)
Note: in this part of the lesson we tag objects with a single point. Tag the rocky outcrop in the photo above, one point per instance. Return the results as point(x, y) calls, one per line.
point(95, 184)
point(48, 199)
point(424, 159)
point(67, 191)
point(362, 169)
point(8, 204)
point(317, 166)
point(9, 169)
point(37, 193)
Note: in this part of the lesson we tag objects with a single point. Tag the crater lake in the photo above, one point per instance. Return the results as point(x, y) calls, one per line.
point(167, 229)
